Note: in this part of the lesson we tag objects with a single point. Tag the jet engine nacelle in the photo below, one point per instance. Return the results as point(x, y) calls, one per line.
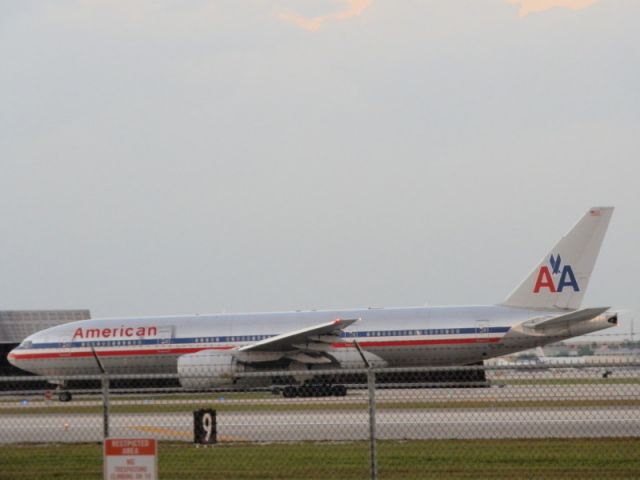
point(207, 369)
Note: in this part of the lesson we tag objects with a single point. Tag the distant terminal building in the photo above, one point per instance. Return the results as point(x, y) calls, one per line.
point(16, 325)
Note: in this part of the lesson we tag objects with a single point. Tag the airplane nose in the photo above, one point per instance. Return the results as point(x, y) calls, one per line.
point(12, 358)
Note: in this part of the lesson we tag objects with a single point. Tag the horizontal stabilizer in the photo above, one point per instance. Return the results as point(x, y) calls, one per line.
point(565, 321)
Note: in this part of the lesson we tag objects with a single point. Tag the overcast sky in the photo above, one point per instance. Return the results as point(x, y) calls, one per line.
point(163, 157)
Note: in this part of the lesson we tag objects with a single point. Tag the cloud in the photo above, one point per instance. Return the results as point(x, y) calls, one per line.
point(353, 8)
point(536, 6)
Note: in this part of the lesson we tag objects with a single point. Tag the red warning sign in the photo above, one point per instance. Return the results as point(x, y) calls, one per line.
point(130, 459)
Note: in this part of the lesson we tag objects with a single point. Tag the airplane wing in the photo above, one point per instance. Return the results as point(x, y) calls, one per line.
point(564, 321)
point(306, 345)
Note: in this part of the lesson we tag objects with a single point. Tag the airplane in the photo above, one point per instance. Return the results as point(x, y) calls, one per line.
point(209, 351)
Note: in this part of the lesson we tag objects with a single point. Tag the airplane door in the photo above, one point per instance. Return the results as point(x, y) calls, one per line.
point(165, 337)
point(482, 331)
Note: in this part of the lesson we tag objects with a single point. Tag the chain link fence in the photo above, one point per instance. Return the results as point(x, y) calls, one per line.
point(529, 421)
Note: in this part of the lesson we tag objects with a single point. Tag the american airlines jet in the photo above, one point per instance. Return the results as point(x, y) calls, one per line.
point(210, 350)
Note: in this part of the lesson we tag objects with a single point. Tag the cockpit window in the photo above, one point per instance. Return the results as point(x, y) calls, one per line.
point(26, 345)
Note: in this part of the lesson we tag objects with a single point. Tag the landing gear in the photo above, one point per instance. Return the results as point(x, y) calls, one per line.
point(290, 392)
point(64, 395)
point(314, 390)
point(339, 391)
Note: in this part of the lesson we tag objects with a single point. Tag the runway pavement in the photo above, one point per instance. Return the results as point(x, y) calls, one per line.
point(332, 425)
point(552, 410)
point(497, 393)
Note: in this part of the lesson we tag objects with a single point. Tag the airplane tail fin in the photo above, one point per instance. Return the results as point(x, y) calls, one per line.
point(560, 280)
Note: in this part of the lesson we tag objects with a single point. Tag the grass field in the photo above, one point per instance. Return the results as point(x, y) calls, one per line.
point(454, 459)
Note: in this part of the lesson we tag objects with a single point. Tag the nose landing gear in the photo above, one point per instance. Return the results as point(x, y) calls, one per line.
point(64, 395)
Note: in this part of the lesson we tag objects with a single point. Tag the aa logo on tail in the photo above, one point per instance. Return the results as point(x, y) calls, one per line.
point(546, 277)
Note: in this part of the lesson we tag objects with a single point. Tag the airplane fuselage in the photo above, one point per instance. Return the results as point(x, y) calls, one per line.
point(390, 337)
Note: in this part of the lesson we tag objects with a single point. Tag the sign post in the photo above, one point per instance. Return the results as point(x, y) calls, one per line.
point(130, 459)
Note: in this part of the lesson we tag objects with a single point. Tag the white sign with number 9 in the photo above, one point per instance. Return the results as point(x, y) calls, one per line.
point(207, 426)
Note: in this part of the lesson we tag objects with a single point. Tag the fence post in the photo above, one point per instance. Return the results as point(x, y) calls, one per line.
point(373, 454)
point(105, 405)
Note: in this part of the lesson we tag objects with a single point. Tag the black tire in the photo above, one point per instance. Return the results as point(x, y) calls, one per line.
point(339, 390)
point(305, 391)
point(64, 396)
point(290, 392)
